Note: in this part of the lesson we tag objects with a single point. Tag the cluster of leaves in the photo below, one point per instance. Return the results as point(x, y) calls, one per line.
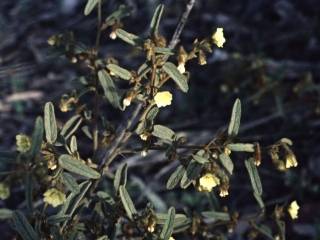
point(79, 201)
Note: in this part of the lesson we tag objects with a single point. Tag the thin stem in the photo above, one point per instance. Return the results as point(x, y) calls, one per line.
point(99, 10)
point(175, 39)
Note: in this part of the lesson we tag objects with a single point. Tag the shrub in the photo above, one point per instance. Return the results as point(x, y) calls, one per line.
point(71, 190)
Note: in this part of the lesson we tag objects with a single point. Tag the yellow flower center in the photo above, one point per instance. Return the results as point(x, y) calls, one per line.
point(163, 99)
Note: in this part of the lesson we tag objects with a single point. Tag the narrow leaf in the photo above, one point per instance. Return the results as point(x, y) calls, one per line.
point(67, 162)
point(234, 124)
point(163, 132)
point(129, 37)
point(174, 73)
point(23, 227)
point(192, 172)
point(5, 213)
point(119, 71)
point(71, 126)
point(226, 162)
point(70, 182)
point(120, 176)
point(50, 124)
point(167, 229)
point(241, 147)
point(37, 137)
point(254, 176)
point(215, 216)
point(175, 177)
point(127, 202)
point(109, 88)
point(90, 6)
point(154, 25)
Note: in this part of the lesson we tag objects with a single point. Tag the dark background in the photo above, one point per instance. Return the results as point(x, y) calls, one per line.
point(271, 61)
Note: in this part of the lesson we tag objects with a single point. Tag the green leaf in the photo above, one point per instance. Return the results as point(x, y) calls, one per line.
point(226, 162)
point(175, 177)
point(120, 176)
point(174, 73)
point(216, 216)
point(234, 124)
point(119, 71)
point(73, 144)
point(127, 202)
point(5, 213)
point(121, 12)
point(37, 137)
point(241, 147)
point(71, 126)
point(254, 176)
point(73, 200)
point(50, 124)
point(70, 182)
point(23, 227)
point(164, 51)
point(109, 88)
point(167, 229)
point(55, 219)
point(200, 159)
point(192, 172)
point(154, 25)
point(28, 191)
point(129, 37)
point(91, 4)
point(163, 132)
point(73, 165)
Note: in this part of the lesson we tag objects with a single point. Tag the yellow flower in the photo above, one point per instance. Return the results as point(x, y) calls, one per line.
point(181, 68)
point(113, 35)
point(163, 99)
point(171, 238)
point(293, 209)
point(4, 191)
point(291, 160)
point(127, 101)
point(54, 197)
point(23, 143)
point(227, 151)
point(223, 193)
point(144, 136)
point(207, 182)
point(218, 38)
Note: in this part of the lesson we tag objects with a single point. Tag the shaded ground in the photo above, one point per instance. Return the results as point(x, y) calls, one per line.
point(271, 61)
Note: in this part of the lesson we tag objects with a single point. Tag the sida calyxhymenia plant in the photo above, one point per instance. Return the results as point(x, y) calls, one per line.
point(70, 194)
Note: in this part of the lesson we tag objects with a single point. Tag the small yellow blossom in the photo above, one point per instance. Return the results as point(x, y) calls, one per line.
point(127, 101)
point(293, 210)
point(4, 191)
point(144, 153)
point(207, 182)
point(218, 38)
point(163, 99)
point(144, 136)
point(113, 35)
point(223, 192)
point(171, 238)
point(291, 160)
point(23, 143)
point(181, 67)
point(54, 197)
point(227, 151)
